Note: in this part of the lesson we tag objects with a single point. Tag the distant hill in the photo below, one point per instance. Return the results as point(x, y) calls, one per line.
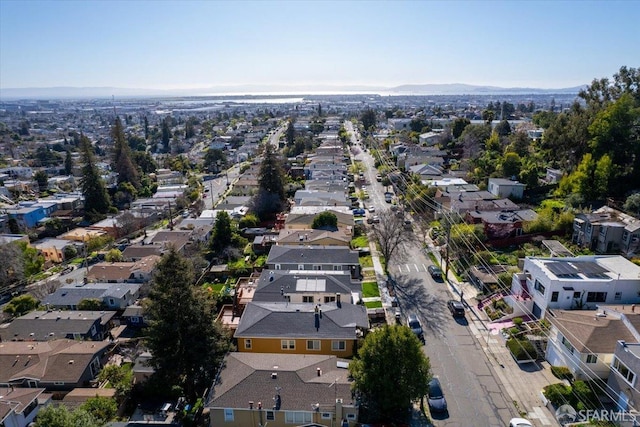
point(409, 89)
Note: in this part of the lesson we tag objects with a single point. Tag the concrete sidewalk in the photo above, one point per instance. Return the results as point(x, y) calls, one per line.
point(522, 383)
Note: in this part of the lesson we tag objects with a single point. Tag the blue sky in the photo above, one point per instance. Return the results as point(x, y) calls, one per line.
point(188, 44)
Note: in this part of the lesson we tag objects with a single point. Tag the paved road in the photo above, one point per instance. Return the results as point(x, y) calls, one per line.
point(475, 396)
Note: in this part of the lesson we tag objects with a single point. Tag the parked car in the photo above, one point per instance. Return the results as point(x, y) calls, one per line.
point(435, 272)
point(379, 178)
point(68, 269)
point(519, 422)
point(456, 308)
point(376, 219)
point(359, 211)
point(435, 397)
point(414, 324)
point(372, 209)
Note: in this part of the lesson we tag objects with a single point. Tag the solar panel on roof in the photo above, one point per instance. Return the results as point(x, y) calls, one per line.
point(562, 269)
point(589, 267)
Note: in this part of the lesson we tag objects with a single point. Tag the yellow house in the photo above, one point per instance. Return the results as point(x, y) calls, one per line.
point(301, 328)
point(52, 249)
point(311, 237)
point(281, 390)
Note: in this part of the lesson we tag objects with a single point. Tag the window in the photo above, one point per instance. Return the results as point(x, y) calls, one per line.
point(58, 383)
point(568, 345)
point(134, 319)
point(592, 358)
point(326, 415)
point(112, 302)
point(313, 344)
point(336, 268)
point(288, 344)
point(300, 266)
point(329, 299)
point(625, 236)
point(278, 267)
point(307, 298)
point(351, 416)
point(32, 383)
point(228, 414)
point(554, 296)
point(539, 287)
point(247, 343)
point(576, 295)
point(618, 296)
point(622, 369)
point(317, 267)
point(338, 345)
point(271, 415)
point(294, 417)
point(596, 296)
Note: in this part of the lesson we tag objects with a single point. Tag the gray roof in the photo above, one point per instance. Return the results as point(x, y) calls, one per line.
point(312, 255)
point(291, 320)
point(133, 310)
point(59, 322)
point(250, 376)
point(290, 282)
point(69, 295)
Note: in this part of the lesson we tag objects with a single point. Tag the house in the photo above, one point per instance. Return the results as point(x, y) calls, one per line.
point(301, 217)
point(53, 249)
point(318, 258)
point(311, 237)
point(319, 198)
point(505, 188)
point(142, 368)
point(137, 252)
point(576, 282)
point(12, 238)
point(114, 296)
point(607, 230)
point(42, 325)
point(55, 365)
point(119, 272)
point(501, 224)
point(134, 316)
point(314, 287)
point(178, 239)
point(80, 234)
point(399, 124)
point(430, 138)
point(585, 340)
point(623, 377)
point(280, 390)
point(20, 406)
point(301, 328)
point(26, 216)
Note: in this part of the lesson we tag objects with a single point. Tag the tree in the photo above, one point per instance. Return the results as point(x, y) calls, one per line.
point(186, 342)
point(248, 221)
point(222, 234)
point(215, 160)
point(60, 416)
point(146, 128)
point(458, 126)
point(33, 261)
point(166, 135)
point(271, 197)
point(90, 304)
point(511, 164)
point(22, 304)
point(290, 134)
point(70, 252)
point(393, 236)
point(390, 372)
point(488, 116)
point(144, 161)
point(503, 128)
point(114, 255)
point(68, 163)
point(189, 128)
point(120, 377)
point(42, 179)
point(96, 198)
point(632, 204)
point(368, 119)
point(122, 162)
point(326, 220)
point(102, 409)
point(11, 259)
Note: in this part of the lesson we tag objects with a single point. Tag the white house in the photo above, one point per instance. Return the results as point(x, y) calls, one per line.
point(585, 340)
point(582, 282)
point(505, 188)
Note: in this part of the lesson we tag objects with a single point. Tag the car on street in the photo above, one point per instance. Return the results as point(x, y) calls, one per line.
point(359, 212)
point(376, 219)
point(435, 397)
point(372, 209)
point(456, 308)
point(519, 422)
point(68, 269)
point(414, 324)
point(379, 178)
point(435, 272)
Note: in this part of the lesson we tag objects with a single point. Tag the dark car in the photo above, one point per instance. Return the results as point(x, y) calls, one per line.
point(435, 272)
point(414, 324)
point(435, 397)
point(456, 308)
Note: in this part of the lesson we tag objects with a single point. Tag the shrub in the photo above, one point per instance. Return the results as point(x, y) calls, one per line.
point(558, 394)
point(518, 321)
point(562, 372)
point(584, 396)
point(522, 349)
point(513, 332)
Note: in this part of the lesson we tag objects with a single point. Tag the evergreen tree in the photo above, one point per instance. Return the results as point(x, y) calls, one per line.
point(166, 135)
point(221, 236)
point(291, 133)
point(122, 163)
point(146, 128)
point(96, 198)
point(368, 119)
point(68, 164)
point(186, 343)
point(271, 197)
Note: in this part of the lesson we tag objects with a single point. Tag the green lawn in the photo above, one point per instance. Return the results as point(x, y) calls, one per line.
point(360, 242)
point(370, 289)
point(366, 261)
point(373, 304)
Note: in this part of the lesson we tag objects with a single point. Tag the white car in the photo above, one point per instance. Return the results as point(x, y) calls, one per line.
point(372, 209)
point(519, 422)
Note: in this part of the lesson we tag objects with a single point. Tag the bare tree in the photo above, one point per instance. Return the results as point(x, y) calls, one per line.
point(393, 235)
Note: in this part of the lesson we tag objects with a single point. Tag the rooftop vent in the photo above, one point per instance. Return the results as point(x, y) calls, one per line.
point(274, 375)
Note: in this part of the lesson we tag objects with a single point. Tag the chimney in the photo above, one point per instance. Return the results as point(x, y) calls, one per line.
point(338, 302)
point(319, 371)
point(274, 375)
point(251, 404)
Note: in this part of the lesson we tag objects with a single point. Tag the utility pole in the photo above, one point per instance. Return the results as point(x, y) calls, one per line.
point(446, 267)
